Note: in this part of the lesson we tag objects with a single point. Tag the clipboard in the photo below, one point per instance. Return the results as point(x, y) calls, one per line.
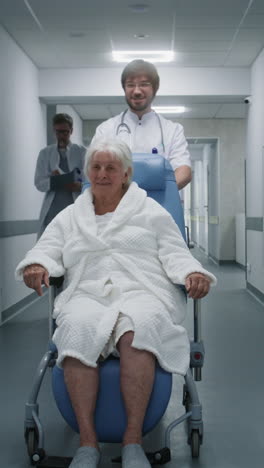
point(58, 182)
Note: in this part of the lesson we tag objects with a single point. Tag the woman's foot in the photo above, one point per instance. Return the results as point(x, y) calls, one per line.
point(133, 456)
point(86, 457)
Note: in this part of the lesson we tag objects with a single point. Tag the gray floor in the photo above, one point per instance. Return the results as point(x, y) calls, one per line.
point(231, 390)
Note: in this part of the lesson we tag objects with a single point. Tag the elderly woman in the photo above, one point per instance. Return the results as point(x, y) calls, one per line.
point(121, 254)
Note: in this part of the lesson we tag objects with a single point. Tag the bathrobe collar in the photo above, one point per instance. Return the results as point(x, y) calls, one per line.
point(130, 204)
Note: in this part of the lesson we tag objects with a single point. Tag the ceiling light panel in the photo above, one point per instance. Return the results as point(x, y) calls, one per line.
point(150, 55)
point(169, 109)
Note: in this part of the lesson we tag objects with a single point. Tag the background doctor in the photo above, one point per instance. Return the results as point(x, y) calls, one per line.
point(143, 129)
point(54, 160)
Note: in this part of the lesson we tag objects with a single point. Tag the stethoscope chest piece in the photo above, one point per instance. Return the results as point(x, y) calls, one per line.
point(124, 128)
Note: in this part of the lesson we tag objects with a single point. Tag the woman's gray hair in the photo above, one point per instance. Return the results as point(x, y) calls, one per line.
point(117, 148)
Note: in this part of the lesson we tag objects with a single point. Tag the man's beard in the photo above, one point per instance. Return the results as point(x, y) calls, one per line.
point(139, 107)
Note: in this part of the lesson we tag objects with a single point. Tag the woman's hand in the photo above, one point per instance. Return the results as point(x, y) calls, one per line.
point(34, 276)
point(197, 285)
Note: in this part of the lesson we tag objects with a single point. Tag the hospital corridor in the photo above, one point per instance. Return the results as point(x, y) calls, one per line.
point(131, 233)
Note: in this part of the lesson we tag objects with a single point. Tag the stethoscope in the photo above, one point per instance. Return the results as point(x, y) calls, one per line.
point(123, 125)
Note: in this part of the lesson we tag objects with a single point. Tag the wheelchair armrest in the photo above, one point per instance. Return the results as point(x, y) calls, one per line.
point(197, 319)
point(197, 348)
point(56, 281)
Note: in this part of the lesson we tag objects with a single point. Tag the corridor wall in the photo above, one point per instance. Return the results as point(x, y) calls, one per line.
point(255, 182)
point(22, 134)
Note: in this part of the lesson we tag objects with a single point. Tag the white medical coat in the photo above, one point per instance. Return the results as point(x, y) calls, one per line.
point(146, 135)
point(48, 161)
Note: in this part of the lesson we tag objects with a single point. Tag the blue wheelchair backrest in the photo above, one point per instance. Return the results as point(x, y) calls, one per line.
point(154, 174)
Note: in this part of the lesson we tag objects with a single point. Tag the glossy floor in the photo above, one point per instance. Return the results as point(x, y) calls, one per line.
point(231, 390)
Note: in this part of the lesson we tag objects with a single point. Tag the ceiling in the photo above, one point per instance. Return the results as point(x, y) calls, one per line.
point(82, 33)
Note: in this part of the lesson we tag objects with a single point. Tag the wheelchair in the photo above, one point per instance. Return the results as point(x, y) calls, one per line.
point(155, 175)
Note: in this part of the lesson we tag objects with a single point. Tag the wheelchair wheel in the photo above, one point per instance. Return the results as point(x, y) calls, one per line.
point(31, 437)
point(35, 454)
point(195, 443)
point(161, 457)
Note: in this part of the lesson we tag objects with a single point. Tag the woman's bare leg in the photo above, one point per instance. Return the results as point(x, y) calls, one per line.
point(137, 371)
point(82, 384)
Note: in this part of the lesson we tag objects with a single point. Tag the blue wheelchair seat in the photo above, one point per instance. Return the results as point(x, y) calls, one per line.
point(110, 414)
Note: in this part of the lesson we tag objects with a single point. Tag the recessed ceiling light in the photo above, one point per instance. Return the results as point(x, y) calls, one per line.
point(151, 55)
point(141, 36)
point(169, 109)
point(77, 34)
point(139, 8)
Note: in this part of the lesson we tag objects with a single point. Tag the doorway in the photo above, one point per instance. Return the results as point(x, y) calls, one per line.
point(200, 197)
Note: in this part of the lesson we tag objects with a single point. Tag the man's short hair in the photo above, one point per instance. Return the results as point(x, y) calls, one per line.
point(62, 119)
point(138, 67)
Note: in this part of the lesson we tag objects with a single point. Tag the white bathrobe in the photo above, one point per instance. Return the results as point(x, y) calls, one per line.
point(129, 269)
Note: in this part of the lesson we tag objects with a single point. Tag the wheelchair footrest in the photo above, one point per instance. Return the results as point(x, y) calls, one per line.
point(54, 462)
point(160, 457)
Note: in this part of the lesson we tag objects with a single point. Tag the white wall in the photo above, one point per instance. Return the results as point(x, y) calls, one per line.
point(22, 134)
point(255, 175)
point(89, 128)
point(175, 81)
point(13, 250)
point(77, 134)
point(207, 154)
point(196, 200)
point(214, 196)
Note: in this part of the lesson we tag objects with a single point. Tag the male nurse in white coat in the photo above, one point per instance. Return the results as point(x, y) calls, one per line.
point(59, 159)
point(142, 128)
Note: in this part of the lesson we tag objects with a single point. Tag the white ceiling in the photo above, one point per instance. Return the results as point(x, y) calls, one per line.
point(82, 33)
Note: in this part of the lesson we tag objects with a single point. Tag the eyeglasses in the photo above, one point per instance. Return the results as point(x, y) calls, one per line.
point(141, 85)
point(62, 132)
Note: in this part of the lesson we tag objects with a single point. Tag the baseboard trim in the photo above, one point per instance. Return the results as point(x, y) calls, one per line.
point(255, 292)
point(240, 265)
point(213, 259)
point(221, 262)
point(226, 262)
